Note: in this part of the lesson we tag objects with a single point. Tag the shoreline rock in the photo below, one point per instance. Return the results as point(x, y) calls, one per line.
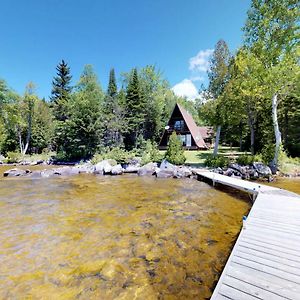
point(256, 171)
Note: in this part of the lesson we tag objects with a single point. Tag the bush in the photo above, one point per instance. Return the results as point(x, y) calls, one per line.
point(13, 157)
point(267, 153)
point(175, 151)
point(151, 153)
point(96, 158)
point(217, 161)
point(245, 159)
point(120, 155)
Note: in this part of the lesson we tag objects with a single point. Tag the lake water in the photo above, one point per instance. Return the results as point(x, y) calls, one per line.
point(124, 237)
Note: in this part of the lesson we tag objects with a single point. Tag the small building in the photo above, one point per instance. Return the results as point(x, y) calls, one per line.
point(192, 136)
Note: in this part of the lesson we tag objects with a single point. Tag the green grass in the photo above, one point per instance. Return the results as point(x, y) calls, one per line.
point(197, 158)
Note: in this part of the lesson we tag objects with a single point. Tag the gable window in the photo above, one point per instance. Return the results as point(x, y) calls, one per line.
point(179, 125)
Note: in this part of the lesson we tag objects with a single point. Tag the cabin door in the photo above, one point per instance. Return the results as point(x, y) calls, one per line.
point(188, 140)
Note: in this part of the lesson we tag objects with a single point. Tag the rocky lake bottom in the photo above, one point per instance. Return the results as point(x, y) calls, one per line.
point(115, 237)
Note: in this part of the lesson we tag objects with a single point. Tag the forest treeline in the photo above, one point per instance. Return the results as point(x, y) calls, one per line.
point(252, 99)
point(78, 121)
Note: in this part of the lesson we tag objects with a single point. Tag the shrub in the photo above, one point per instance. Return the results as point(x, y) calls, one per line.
point(151, 153)
point(267, 153)
point(216, 161)
point(96, 158)
point(175, 151)
point(121, 156)
point(13, 157)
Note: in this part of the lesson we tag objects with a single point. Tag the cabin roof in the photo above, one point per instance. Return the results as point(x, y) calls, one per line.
point(193, 128)
point(206, 132)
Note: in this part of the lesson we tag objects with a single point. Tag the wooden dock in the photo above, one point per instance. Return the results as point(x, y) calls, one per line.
point(265, 261)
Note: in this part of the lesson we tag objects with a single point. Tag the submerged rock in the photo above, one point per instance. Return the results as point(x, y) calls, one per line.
point(85, 168)
point(16, 173)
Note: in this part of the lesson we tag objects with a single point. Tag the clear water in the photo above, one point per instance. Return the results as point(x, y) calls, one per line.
point(124, 237)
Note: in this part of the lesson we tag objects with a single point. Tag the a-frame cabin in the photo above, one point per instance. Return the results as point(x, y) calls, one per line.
point(192, 136)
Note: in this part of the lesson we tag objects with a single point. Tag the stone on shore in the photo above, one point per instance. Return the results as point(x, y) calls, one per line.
point(117, 170)
point(103, 167)
point(131, 169)
point(166, 170)
point(262, 169)
point(148, 169)
point(182, 172)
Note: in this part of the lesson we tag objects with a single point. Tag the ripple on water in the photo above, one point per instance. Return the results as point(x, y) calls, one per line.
point(122, 237)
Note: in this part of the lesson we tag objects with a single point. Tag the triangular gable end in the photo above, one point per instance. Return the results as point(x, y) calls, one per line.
point(193, 128)
point(180, 113)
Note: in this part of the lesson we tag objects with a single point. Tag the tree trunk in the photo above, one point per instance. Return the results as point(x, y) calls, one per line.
point(276, 129)
point(217, 141)
point(241, 136)
point(28, 134)
point(252, 133)
point(20, 139)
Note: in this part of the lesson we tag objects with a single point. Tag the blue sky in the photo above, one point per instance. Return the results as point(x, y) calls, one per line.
point(175, 35)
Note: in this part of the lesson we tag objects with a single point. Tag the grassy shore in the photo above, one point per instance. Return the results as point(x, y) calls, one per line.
point(197, 158)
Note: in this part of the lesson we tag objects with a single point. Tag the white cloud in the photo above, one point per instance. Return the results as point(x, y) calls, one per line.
point(200, 62)
point(197, 78)
point(186, 88)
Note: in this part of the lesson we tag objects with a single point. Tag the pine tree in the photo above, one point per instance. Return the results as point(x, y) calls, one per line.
point(112, 85)
point(135, 111)
point(61, 91)
point(81, 134)
point(175, 151)
point(113, 114)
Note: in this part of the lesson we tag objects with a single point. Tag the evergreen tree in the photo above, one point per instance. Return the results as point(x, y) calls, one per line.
point(61, 91)
point(175, 151)
point(112, 85)
point(135, 111)
point(81, 134)
point(112, 114)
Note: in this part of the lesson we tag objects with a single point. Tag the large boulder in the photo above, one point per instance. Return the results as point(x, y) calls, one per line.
point(182, 172)
point(166, 170)
point(85, 168)
point(117, 170)
point(16, 173)
point(148, 169)
point(131, 168)
point(103, 167)
point(236, 167)
point(2, 158)
point(262, 170)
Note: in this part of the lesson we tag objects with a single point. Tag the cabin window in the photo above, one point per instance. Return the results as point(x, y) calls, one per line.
point(188, 140)
point(183, 140)
point(179, 125)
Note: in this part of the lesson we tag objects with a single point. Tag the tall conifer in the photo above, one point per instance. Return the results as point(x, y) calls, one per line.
point(61, 90)
point(135, 110)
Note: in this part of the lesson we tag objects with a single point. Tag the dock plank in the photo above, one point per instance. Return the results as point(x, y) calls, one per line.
point(265, 260)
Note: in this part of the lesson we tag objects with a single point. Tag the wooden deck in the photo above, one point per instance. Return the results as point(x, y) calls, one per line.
point(265, 261)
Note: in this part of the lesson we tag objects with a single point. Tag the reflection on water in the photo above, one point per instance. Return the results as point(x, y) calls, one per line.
point(290, 184)
point(122, 237)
